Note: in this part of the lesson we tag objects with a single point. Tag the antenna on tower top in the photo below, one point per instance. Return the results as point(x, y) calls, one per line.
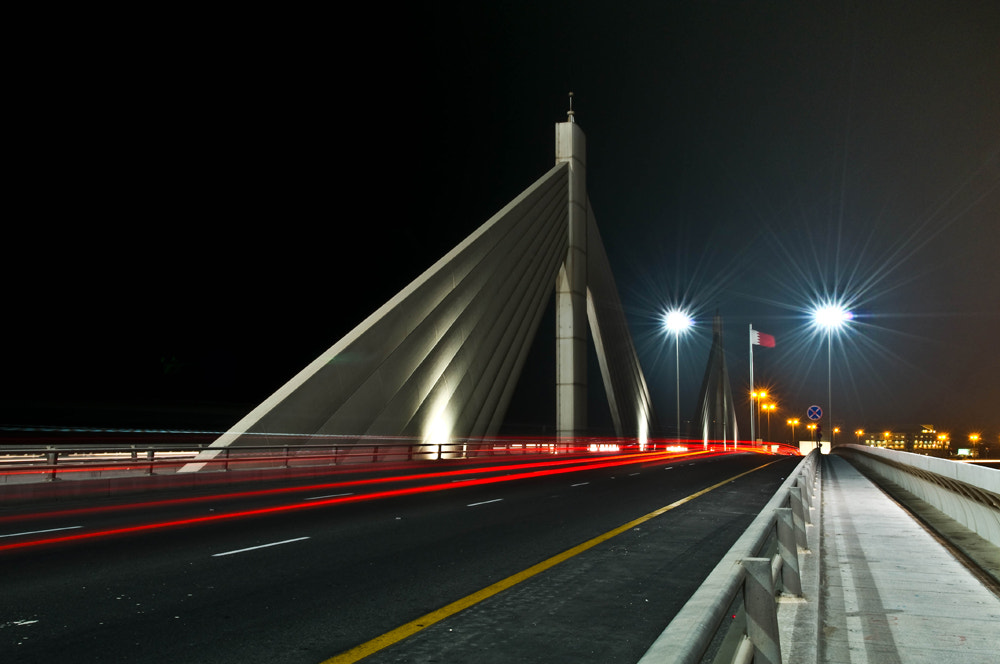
point(569, 113)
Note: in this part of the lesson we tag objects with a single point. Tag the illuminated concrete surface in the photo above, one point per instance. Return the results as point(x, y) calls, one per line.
point(571, 289)
point(967, 493)
point(889, 592)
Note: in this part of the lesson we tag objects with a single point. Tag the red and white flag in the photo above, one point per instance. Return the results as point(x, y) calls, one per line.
point(761, 339)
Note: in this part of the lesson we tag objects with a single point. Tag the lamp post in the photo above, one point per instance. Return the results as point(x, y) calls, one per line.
point(792, 423)
point(830, 317)
point(677, 321)
point(769, 407)
point(756, 397)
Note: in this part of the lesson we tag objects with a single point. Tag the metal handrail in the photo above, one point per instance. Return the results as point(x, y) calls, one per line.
point(745, 583)
point(52, 460)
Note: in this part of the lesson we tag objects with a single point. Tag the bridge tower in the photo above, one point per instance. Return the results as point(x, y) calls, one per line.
point(435, 367)
point(571, 288)
point(716, 416)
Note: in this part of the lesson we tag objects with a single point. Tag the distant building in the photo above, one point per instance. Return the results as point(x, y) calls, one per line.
point(922, 440)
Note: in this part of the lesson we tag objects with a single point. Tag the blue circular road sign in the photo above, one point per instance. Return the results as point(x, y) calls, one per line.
point(814, 412)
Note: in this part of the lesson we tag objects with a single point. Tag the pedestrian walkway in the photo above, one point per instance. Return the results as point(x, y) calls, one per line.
point(889, 592)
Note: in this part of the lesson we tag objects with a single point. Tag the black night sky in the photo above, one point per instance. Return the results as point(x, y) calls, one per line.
point(207, 202)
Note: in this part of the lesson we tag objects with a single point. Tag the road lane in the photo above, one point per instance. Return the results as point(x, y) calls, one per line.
point(365, 568)
point(258, 546)
point(121, 514)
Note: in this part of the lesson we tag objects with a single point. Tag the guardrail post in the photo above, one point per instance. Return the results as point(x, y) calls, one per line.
point(804, 484)
point(150, 454)
point(762, 613)
point(798, 516)
point(52, 456)
point(791, 579)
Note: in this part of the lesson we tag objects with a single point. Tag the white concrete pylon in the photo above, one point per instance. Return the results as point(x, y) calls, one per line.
point(571, 290)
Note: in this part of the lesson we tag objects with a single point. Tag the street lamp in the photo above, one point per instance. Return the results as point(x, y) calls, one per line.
point(757, 396)
point(769, 407)
point(830, 316)
point(792, 423)
point(677, 322)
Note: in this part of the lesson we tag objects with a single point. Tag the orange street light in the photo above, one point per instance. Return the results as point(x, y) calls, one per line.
point(792, 422)
point(769, 407)
point(756, 396)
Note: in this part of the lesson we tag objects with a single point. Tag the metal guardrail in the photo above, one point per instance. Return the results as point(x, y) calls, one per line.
point(762, 564)
point(51, 462)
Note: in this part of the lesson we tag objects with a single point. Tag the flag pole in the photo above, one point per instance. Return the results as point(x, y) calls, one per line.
point(753, 436)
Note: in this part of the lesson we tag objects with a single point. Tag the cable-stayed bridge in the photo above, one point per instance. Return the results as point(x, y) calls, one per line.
point(440, 361)
point(582, 557)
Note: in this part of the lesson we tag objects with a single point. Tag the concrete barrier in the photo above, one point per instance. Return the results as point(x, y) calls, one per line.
point(966, 493)
point(700, 628)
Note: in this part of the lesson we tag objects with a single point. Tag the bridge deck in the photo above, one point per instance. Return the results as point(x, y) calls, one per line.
point(888, 591)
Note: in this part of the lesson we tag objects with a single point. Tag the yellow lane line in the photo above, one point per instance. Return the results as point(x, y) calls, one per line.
point(409, 629)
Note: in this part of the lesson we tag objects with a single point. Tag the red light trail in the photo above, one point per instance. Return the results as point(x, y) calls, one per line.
point(521, 471)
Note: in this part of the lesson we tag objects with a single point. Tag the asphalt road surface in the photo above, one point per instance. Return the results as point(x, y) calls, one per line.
point(584, 566)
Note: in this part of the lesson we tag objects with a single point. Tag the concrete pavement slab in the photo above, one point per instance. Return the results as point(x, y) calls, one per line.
point(889, 591)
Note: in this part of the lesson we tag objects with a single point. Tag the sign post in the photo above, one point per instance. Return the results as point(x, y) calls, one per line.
point(815, 413)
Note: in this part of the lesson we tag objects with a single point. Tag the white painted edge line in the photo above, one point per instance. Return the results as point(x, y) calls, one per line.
point(633, 474)
point(580, 484)
point(35, 532)
point(485, 502)
point(332, 495)
point(262, 546)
